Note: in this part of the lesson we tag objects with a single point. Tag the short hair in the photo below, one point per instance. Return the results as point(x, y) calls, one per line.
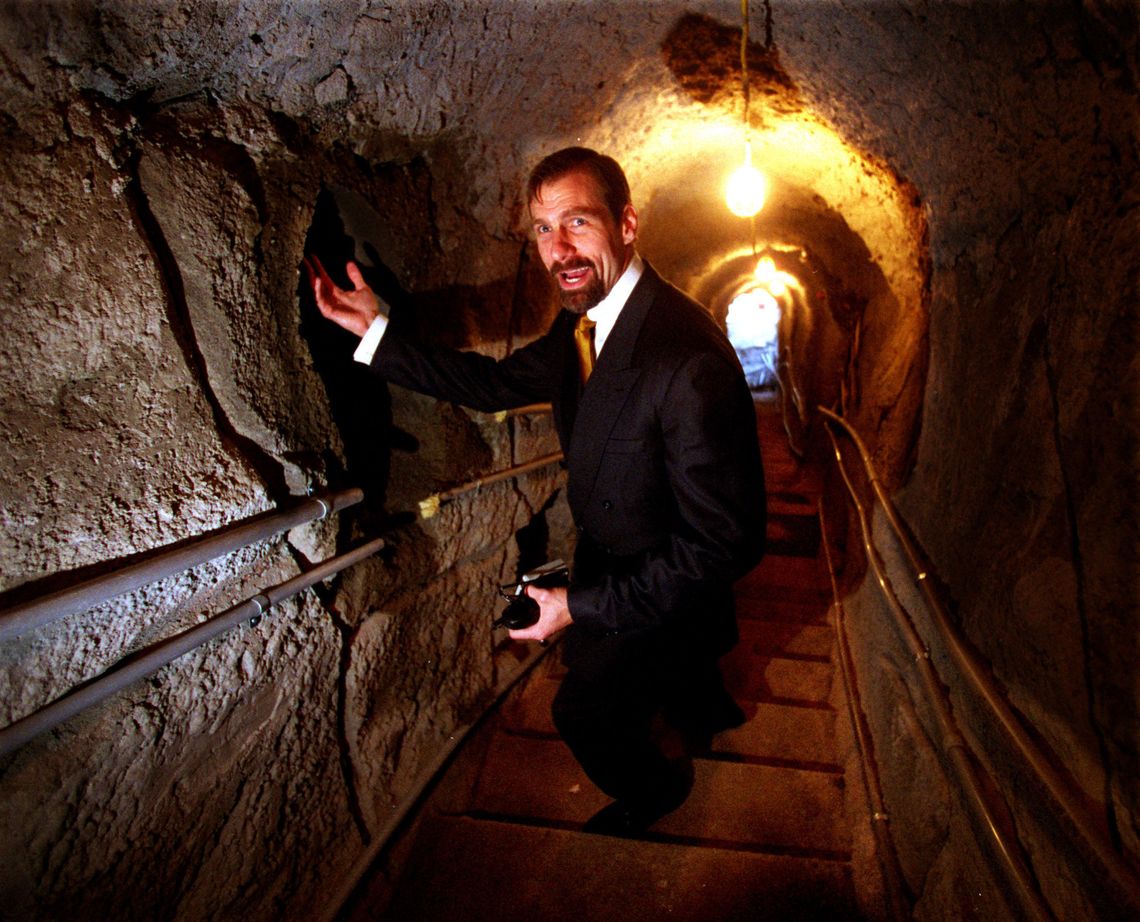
point(605, 170)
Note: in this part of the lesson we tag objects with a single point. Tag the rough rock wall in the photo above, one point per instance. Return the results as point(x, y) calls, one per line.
point(161, 379)
point(164, 166)
point(1019, 129)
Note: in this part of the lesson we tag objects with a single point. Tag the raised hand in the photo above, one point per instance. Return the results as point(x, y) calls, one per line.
point(354, 310)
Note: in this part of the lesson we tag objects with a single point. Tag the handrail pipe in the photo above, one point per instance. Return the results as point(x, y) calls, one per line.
point(27, 616)
point(898, 907)
point(1058, 787)
point(954, 744)
point(430, 507)
point(141, 664)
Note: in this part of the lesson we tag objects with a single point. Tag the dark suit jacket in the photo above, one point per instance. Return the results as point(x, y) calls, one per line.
point(664, 475)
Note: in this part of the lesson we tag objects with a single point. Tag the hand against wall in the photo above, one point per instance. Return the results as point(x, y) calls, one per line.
point(354, 310)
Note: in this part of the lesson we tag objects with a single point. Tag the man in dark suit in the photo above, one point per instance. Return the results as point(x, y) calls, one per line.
point(664, 479)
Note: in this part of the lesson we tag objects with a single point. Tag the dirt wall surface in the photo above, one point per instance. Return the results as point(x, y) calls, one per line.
point(167, 165)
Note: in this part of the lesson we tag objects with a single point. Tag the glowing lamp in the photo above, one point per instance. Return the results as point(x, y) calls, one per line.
point(747, 188)
point(769, 276)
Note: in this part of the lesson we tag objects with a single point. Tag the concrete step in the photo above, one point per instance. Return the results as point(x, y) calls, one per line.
point(805, 575)
point(749, 677)
point(764, 834)
point(792, 639)
point(781, 502)
point(777, 734)
point(471, 870)
point(753, 806)
point(527, 712)
point(781, 734)
point(793, 535)
point(790, 607)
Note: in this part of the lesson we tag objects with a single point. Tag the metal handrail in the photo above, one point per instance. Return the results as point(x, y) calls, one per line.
point(880, 819)
point(531, 409)
point(1059, 788)
point(953, 743)
point(141, 664)
point(56, 605)
point(430, 507)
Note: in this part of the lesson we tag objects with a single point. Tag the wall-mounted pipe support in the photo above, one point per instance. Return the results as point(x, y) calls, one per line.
point(52, 607)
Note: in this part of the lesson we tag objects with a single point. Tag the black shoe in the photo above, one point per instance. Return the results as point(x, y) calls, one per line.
point(618, 819)
point(725, 716)
point(697, 733)
point(628, 818)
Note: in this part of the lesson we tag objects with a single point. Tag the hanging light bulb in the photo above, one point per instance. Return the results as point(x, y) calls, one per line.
point(747, 187)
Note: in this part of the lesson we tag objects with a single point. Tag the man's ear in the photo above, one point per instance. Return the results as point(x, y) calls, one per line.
point(628, 224)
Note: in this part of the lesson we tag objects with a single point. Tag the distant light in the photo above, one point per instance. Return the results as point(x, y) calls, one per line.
point(747, 188)
point(753, 319)
point(770, 277)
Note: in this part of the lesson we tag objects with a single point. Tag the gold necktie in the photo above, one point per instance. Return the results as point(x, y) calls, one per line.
point(584, 343)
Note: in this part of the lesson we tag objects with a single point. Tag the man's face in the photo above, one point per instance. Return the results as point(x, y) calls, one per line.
point(580, 243)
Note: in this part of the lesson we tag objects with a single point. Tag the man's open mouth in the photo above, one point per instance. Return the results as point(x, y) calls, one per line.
point(573, 276)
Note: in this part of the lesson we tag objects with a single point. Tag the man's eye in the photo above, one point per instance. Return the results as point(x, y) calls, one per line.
point(542, 229)
point(577, 222)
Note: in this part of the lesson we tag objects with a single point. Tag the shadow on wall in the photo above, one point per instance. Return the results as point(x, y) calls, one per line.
point(361, 403)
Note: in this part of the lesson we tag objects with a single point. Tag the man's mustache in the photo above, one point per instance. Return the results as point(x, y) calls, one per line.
point(580, 263)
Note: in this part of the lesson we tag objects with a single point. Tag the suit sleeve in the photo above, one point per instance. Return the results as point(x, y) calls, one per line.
point(715, 489)
point(470, 378)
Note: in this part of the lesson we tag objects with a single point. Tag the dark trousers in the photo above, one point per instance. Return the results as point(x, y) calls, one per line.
point(614, 688)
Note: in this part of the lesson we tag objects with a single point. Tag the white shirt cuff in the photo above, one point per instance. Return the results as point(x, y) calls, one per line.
point(370, 341)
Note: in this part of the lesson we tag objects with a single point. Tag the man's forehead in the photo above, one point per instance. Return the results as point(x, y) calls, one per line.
point(578, 187)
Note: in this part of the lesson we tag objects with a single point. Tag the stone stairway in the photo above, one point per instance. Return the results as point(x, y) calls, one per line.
point(766, 833)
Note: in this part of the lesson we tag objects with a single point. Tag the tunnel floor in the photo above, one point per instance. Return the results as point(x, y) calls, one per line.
point(766, 832)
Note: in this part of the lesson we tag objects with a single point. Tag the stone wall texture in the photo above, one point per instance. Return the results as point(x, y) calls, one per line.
point(962, 175)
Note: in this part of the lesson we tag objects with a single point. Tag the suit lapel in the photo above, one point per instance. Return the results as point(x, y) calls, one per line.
point(607, 391)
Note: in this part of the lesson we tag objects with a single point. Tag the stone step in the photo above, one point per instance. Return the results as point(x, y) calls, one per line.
point(793, 535)
point(775, 733)
point(751, 677)
point(745, 805)
point(471, 870)
point(782, 502)
point(788, 607)
point(791, 639)
point(807, 575)
point(780, 734)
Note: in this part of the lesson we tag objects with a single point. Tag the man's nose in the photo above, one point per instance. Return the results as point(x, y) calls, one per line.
point(560, 245)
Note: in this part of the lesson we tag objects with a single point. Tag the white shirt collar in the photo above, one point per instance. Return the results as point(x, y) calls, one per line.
point(605, 312)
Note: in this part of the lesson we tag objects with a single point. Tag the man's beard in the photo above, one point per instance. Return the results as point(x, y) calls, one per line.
point(579, 300)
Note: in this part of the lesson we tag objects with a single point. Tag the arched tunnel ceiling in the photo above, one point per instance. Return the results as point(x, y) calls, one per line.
point(679, 132)
point(680, 135)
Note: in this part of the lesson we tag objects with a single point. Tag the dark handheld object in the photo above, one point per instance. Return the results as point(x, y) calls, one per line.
point(522, 611)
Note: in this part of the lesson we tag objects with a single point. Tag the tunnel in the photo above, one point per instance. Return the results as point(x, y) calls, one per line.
point(248, 588)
